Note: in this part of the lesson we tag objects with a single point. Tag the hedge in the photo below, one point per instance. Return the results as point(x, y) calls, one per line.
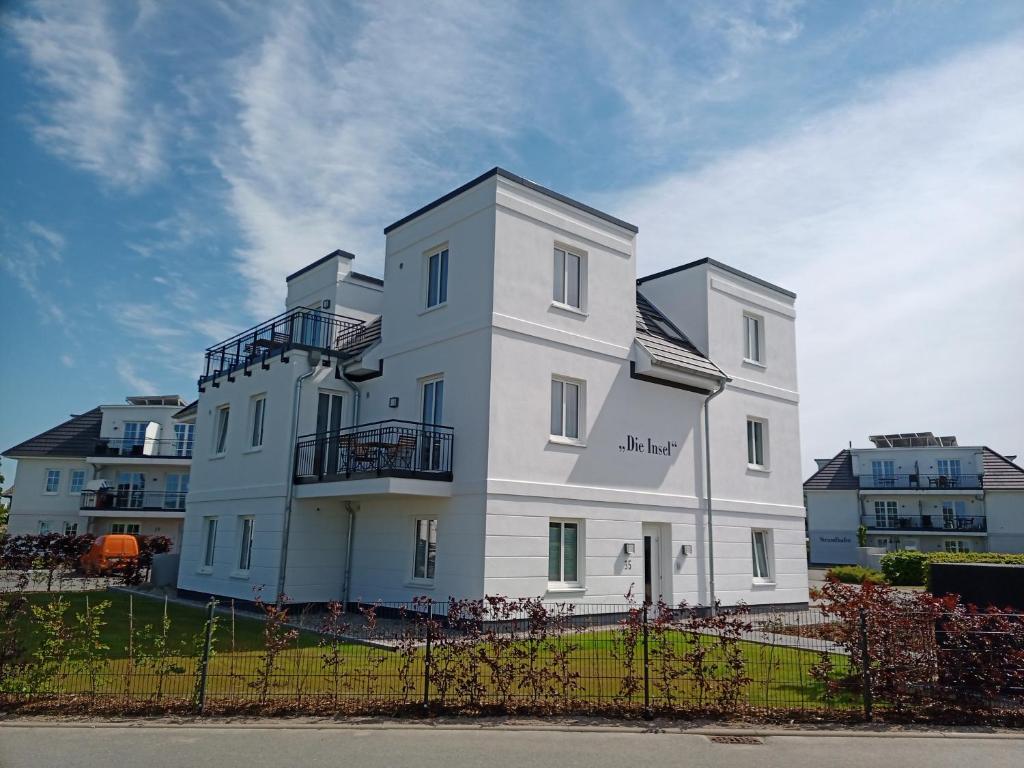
point(855, 574)
point(909, 568)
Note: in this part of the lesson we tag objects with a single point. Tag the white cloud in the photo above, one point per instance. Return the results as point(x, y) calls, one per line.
point(337, 131)
point(90, 119)
point(67, 361)
point(32, 255)
point(899, 221)
point(130, 376)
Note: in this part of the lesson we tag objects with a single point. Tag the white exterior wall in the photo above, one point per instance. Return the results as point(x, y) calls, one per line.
point(31, 504)
point(832, 521)
point(1005, 520)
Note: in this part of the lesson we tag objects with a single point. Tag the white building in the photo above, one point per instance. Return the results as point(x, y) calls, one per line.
point(509, 411)
point(114, 469)
point(915, 491)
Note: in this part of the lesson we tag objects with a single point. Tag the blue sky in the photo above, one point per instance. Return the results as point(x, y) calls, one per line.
point(166, 164)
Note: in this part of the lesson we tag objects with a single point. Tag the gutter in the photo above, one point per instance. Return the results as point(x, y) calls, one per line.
point(707, 493)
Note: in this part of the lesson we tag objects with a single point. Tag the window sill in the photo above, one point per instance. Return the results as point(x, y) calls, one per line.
point(569, 308)
point(239, 574)
point(567, 589)
point(755, 363)
point(205, 570)
point(557, 440)
point(417, 584)
point(257, 449)
point(434, 308)
point(759, 468)
point(762, 584)
point(51, 493)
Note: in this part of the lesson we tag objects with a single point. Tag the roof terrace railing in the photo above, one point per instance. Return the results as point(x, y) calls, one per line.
point(143, 447)
point(937, 522)
point(921, 481)
point(297, 328)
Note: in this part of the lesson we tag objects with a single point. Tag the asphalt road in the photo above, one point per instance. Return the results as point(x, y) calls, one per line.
point(67, 746)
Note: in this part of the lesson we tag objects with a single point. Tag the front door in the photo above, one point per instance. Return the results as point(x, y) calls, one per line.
point(432, 413)
point(328, 422)
point(652, 563)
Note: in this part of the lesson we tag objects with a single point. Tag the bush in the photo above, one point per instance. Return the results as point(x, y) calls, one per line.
point(906, 568)
point(855, 574)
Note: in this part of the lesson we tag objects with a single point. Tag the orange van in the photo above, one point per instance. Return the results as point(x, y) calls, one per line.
point(111, 552)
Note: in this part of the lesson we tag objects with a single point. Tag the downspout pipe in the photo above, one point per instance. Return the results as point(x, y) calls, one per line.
point(707, 494)
point(290, 492)
point(350, 508)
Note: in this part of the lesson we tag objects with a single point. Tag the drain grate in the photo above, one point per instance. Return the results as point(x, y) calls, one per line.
point(737, 740)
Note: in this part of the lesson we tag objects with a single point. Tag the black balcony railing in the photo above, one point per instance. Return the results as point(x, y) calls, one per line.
point(969, 481)
point(129, 499)
point(937, 522)
point(170, 448)
point(296, 328)
point(383, 449)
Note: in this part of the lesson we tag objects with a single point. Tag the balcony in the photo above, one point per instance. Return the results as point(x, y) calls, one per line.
point(402, 449)
point(143, 448)
point(309, 329)
point(925, 523)
point(113, 499)
point(921, 482)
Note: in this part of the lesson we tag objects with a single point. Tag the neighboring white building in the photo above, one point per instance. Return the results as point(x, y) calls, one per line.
point(915, 491)
point(114, 469)
point(509, 411)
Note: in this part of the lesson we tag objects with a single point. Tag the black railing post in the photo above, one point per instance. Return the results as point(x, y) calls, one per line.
point(648, 715)
point(865, 666)
point(204, 663)
point(427, 656)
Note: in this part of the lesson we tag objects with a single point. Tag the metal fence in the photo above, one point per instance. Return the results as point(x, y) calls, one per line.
point(528, 656)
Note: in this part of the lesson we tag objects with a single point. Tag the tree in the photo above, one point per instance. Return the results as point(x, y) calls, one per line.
point(5, 507)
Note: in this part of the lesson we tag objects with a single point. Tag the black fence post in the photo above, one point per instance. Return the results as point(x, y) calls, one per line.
point(865, 661)
point(647, 669)
point(426, 658)
point(204, 662)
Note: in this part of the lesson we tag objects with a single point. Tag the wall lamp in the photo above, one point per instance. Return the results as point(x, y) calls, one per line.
point(392, 402)
point(628, 548)
point(686, 550)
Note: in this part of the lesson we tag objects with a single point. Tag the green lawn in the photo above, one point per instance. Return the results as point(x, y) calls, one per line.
point(592, 664)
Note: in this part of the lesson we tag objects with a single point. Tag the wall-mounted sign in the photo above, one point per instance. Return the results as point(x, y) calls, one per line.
point(647, 446)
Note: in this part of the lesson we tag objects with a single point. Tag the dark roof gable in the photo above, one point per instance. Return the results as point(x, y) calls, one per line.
point(836, 475)
point(1001, 474)
point(667, 344)
point(75, 437)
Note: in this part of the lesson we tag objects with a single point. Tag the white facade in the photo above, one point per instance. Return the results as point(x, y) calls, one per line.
point(934, 496)
point(116, 469)
point(514, 504)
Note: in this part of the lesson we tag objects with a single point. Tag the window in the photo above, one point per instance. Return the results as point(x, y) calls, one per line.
point(953, 513)
point(956, 545)
point(437, 278)
point(566, 408)
point(209, 541)
point(756, 454)
point(44, 527)
point(754, 339)
point(883, 474)
point(220, 442)
point(949, 468)
point(563, 552)
point(125, 528)
point(245, 544)
point(175, 491)
point(70, 529)
point(184, 434)
point(131, 490)
point(425, 557)
point(760, 544)
point(886, 514)
point(568, 279)
point(52, 480)
point(77, 481)
point(134, 437)
point(259, 406)
point(434, 448)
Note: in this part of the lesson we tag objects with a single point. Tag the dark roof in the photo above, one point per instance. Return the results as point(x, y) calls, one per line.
point(1000, 473)
point(719, 265)
point(75, 437)
point(518, 180)
point(836, 475)
point(367, 278)
point(667, 344)
point(318, 262)
point(367, 336)
point(188, 411)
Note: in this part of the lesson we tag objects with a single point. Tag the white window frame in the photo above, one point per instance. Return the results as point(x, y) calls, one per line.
point(209, 544)
point(444, 260)
point(46, 481)
point(555, 585)
point(181, 483)
point(71, 529)
point(562, 257)
point(184, 439)
point(45, 526)
point(123, 527)
point(758, 356)
point(887, 513)
point(956, 545)
point(257, 418)
point(221, 429)
point(243, 549)
point(768, 550)
point(561, 435)
point(72, 489)
point(751, 440)
point(427, 579)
